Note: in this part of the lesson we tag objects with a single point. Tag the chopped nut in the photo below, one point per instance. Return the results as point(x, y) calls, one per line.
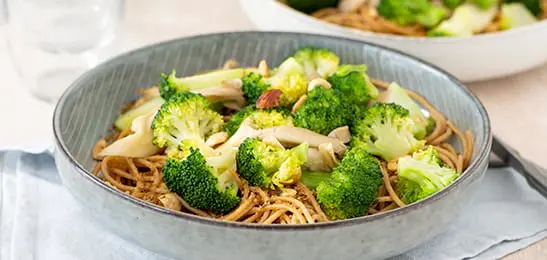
point(318, 82)
point(263, 68)
point(299, 103)
point(315, 75)
point(216, 139)
point(230, 64)
point(170, 201)
point(392, 165)
point(268, 99)
point(341, 133)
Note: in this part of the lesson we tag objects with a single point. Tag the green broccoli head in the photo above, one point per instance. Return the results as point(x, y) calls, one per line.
point(354, 83)
point(396, 94)
point(452, 3)
point(269, 166)
point(204, 183)
point(484, 4)
point(406, 12)
point(288, 77)
point(171, 84)
point(352, 186)
point(422, 174)
point(386, 131)
point(317, 60)
point(258, 118)
point(324, 110)
point(185, 120)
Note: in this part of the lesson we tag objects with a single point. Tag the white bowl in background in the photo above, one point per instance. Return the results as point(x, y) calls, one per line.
point(473, 58)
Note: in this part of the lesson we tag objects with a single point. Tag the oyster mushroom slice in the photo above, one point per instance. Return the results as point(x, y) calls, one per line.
point(328, 155)
point(315, 162)
point(291, 135)
point(341, 133)
point(138, 144)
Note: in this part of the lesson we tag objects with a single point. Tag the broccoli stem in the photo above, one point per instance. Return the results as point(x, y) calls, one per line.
point(313, 179)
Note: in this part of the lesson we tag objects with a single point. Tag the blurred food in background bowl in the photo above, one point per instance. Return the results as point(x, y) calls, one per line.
point(476, 40)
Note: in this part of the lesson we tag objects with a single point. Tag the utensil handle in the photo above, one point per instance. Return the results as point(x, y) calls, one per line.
point(534, 174)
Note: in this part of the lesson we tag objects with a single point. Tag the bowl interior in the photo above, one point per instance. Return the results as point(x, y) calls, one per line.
point(89, 107)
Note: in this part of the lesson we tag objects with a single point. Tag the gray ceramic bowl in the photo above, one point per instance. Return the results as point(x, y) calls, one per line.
point(87, 109)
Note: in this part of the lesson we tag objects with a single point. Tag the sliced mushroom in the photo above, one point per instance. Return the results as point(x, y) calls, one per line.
point(296, 135)
point(315, 162)
point(348, 6)
point(318, 82)
point(138, 144)
point(341, 133)
point(328, 155)
point(232, 83)
point(244, 132)
point(216, 139)
point(170, 201)
point(272, 141)
point(221, 94)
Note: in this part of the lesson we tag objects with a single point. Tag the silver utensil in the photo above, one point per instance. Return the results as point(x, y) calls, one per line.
point(505, 156)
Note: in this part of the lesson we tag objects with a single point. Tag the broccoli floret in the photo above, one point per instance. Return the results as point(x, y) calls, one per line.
point(452, 3)
point(386, 131)
point(324, 110)
point(352, 187)
point(534, 6)
point(422, 174)
point(466, 20)
point(270, 166)
point(354, 83)
point(288, 77)
point(317, 60)
point(204, 183)
point(124, 120)
point(405, 12)
point(308, 6)
point(258, 118)
point(515, 15)
point(483, 4)
point(396, 94)
point(186, 119)
point(171, 84)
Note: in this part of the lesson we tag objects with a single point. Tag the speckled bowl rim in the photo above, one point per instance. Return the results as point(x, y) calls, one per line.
point(421, 39)
point(483, 152)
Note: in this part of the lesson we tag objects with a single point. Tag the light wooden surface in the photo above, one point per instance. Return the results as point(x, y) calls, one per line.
point(517, 105)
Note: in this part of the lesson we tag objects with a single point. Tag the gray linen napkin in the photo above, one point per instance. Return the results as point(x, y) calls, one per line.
point(40, 219)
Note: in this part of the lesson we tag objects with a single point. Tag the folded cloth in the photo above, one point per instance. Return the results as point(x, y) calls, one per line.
point(41, 220)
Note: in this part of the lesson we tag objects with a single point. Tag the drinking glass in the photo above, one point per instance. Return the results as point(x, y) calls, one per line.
point(52, 42)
